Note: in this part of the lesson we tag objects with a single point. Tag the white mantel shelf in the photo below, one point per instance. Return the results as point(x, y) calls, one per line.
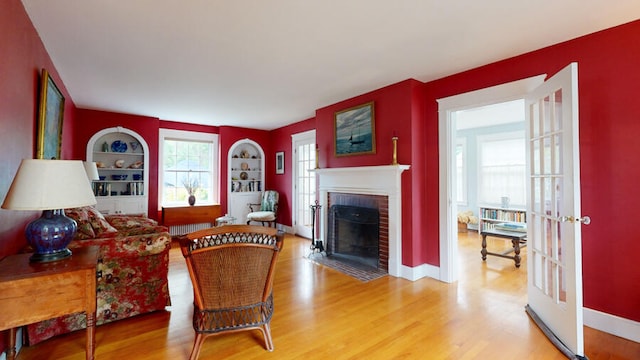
point(373, 180)
point(399, 168)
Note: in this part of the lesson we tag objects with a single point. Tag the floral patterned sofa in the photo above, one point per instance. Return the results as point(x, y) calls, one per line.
point(132, 269)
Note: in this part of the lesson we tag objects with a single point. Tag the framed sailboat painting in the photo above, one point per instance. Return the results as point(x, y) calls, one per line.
point(355, 131)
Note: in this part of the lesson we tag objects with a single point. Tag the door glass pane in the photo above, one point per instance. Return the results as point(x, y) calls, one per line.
point(546, 237)
point(536, 224)
point(546, 155)
point(562, 289)
point(546, 112)
point(534, 109)
point(558, 110)
point(556, 155)
point(535, 161)
point(548, 279)
point(537, 270)
point(547, 191)
point(537, 201)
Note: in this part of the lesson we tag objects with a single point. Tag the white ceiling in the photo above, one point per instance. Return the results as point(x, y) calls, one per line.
point(265, 64)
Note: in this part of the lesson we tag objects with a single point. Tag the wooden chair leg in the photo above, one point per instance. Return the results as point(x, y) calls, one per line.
point(268, 341)
point(197, 344)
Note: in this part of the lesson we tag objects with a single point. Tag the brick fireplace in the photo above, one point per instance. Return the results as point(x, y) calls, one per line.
point(379, 182)
point(363, 230)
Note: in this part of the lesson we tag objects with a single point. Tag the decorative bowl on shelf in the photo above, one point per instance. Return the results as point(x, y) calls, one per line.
point(137, 176)
point(119, 163)
point(102, 177)
point(119, 177)
point(119, 146)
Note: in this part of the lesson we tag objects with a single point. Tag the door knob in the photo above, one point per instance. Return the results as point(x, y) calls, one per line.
point(570, 219)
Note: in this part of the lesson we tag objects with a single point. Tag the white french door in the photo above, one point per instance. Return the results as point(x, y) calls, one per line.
point(304, 181)
point(554, 224)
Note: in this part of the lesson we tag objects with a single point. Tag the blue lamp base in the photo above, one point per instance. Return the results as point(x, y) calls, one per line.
point(49, 236)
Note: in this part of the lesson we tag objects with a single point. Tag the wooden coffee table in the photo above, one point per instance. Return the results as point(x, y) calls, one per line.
point(518, 239)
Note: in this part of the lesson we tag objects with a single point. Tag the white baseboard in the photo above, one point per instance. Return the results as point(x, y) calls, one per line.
point(418, 272)
point(286, 229)
point(615, 325)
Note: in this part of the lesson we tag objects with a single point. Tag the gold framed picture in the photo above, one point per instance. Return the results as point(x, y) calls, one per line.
point(355, 131)
point(50, 115)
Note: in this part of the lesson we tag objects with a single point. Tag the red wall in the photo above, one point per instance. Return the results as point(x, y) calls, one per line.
point(609, 110)
point(397, 111)
point(281, 141)
point(22, 57)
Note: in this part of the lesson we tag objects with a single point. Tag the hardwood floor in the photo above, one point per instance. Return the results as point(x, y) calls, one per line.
point(323, 314)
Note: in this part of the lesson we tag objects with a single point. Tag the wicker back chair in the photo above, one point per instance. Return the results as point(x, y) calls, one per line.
point(231, 269)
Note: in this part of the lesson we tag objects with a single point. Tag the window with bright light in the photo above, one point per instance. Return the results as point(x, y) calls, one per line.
point(187, 163)
point(502, 169)
point(461, 171)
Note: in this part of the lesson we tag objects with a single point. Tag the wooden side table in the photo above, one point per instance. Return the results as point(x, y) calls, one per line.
point(32, 292)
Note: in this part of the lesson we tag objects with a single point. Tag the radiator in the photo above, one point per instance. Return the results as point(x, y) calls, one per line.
point(187, 228)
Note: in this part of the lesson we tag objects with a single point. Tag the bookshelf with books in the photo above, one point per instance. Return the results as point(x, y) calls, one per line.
point(510, 219)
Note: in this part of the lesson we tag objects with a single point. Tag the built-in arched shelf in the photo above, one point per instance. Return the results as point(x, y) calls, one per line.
point(246, 177)
point(122, 157)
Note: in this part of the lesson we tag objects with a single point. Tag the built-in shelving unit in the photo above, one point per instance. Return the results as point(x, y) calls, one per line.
point(505, 218)
point(122, 157)
point(246, 177)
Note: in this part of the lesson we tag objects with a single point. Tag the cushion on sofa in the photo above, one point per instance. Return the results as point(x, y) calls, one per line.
point(100, 225)
point(81, 216)
point(129, 225)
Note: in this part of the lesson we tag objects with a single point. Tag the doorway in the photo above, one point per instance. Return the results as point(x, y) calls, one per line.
point(490, 175)
point(304, 181)
point(448, 107)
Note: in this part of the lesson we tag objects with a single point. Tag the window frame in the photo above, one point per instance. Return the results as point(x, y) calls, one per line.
point(462, 178)
point(185, 135)
point(503, 136)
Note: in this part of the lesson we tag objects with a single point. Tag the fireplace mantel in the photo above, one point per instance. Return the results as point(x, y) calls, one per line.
point(372, 180)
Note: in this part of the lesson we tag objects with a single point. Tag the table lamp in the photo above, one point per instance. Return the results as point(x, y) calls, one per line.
point(91, 168)
point(50, 186)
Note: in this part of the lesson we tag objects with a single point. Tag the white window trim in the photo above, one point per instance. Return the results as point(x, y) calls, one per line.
point(465, 172)
point(170, 134)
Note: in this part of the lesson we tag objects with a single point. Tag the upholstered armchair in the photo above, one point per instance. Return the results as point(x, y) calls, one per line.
point(266, 211)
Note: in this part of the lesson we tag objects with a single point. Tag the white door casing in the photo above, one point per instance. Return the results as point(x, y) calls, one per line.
point(303, 148)
point(447, 139)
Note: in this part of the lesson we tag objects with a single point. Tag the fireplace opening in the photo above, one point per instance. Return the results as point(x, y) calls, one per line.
point(354, 234)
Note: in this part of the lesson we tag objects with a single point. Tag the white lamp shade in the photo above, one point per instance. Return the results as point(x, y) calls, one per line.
point(48, 185)
point(92, 170)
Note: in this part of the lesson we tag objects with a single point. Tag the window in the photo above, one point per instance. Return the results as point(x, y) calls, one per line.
point(187, 158)
point(502, 169)
point(461, 171)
